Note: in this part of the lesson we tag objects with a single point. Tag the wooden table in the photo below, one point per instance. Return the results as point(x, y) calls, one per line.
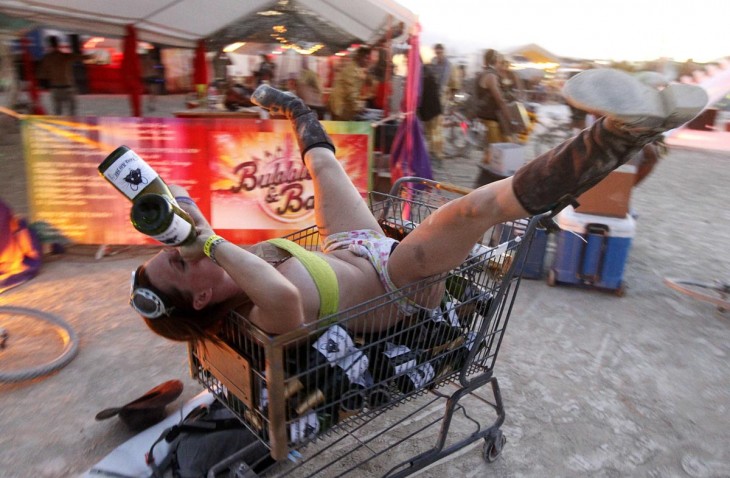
point(203, 112)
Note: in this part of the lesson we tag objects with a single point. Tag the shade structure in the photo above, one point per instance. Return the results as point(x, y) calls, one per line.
point(409, 154)
point(132, 71)
point(181, 23)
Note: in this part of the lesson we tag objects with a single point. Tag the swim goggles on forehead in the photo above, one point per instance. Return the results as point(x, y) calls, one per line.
point(148, 302)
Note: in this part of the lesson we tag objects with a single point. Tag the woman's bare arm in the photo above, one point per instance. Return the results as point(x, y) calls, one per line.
point(278, 303)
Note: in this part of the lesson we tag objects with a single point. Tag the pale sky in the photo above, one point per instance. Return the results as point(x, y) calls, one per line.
point(592, 29)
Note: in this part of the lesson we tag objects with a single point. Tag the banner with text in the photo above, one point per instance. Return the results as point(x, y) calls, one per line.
point(247, 176)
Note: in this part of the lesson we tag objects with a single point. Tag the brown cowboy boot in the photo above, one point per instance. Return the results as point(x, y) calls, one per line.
point(635, 114)
point(309, 131)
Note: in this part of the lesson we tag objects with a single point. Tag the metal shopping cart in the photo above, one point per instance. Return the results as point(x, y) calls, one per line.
point(323, 398)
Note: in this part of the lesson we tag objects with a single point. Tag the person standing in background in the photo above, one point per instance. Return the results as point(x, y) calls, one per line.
point(56, 71)
point(266, 71)
point(309, 89)
point(440, 68)
point(153, 77)
point(346, 100)
point(429, 108)
point(513, 89)
point(221, 62)
point(491, 107)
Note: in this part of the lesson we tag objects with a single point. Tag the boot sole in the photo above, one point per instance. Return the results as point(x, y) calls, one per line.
point(683, 103)
point(614, 93)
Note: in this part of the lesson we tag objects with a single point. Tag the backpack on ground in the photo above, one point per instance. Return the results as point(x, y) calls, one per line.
point(208, 441)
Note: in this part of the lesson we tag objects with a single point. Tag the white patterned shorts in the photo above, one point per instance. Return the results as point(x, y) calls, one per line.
point(376, 248)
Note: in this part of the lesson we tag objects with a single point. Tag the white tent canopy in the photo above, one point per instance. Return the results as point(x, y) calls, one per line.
point(182, 23)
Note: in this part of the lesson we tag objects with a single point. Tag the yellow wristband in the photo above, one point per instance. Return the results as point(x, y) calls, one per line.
point(210, 245)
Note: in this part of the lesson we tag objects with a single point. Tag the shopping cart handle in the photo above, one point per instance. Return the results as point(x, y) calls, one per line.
point(429, 182)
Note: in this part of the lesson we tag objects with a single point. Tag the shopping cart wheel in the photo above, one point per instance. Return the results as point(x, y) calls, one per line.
point(493, 446)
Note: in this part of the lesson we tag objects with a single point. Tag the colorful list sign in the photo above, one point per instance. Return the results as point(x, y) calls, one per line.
point(246, 175)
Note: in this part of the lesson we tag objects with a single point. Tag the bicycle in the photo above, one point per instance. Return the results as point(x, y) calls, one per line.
point(550, 133)
point(460, 132)
point(716, 293)
point(36, 327)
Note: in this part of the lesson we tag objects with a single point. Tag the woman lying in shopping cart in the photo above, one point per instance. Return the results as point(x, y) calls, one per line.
point(184, 293)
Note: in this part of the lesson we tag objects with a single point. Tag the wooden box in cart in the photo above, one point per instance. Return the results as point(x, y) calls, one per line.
point(330, 378)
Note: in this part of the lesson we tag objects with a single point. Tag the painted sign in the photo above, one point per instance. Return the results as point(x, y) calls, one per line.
point(247, 176)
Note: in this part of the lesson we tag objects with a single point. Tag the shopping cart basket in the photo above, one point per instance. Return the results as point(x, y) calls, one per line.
point(328, 382)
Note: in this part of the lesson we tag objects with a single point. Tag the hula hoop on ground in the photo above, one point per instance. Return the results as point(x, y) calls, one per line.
point(66, 333)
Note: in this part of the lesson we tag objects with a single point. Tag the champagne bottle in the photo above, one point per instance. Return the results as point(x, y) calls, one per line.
point(131, 175)
point(304, 428)
point(454, 359)
point(160, 218)
point(331, 372)
point(462, 354)
point(400, 365)
point(473, 299)
point(442, 329)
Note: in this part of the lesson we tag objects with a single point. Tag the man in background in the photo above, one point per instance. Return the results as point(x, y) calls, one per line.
point(56, 71)
point(346, 100)
point(440, 69)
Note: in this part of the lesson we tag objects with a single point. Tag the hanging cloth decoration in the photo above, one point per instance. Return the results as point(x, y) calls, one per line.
point(409, 154)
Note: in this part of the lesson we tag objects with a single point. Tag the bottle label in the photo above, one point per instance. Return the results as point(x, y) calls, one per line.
point(130, 174)
point(176, 233)
point(354, 365)
point(305, 427)
point(339, 349)
point(392, 351)
point(335, 343)
point(422, 375)
point(471, 339)
point(446, 313)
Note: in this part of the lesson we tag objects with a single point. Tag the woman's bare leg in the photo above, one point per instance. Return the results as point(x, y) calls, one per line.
point(338, 206)
point(445, 238)
point(337, 203)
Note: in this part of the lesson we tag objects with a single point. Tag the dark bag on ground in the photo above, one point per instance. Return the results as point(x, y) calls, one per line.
point(204, 444)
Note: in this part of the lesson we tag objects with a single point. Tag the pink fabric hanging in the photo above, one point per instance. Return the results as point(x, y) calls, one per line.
point(409, 154)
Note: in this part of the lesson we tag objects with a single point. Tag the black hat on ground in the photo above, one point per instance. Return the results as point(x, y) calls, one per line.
point(146, 410)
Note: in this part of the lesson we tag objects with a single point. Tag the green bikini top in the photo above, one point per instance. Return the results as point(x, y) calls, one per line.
point(320, 271)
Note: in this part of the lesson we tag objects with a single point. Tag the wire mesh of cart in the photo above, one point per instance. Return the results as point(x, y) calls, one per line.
point(322, 398)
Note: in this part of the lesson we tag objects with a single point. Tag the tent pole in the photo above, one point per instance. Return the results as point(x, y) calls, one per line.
point(131, 70)
point(388, 68)
point(36, 106)
point(200, 71)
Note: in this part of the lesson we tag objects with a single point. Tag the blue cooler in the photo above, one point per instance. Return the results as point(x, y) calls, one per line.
point(591, 250)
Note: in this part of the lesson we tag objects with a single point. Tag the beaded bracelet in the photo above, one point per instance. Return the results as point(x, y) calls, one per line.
point(210, 244)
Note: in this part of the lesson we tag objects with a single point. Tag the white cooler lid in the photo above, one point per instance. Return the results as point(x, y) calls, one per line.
point(569, 220)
